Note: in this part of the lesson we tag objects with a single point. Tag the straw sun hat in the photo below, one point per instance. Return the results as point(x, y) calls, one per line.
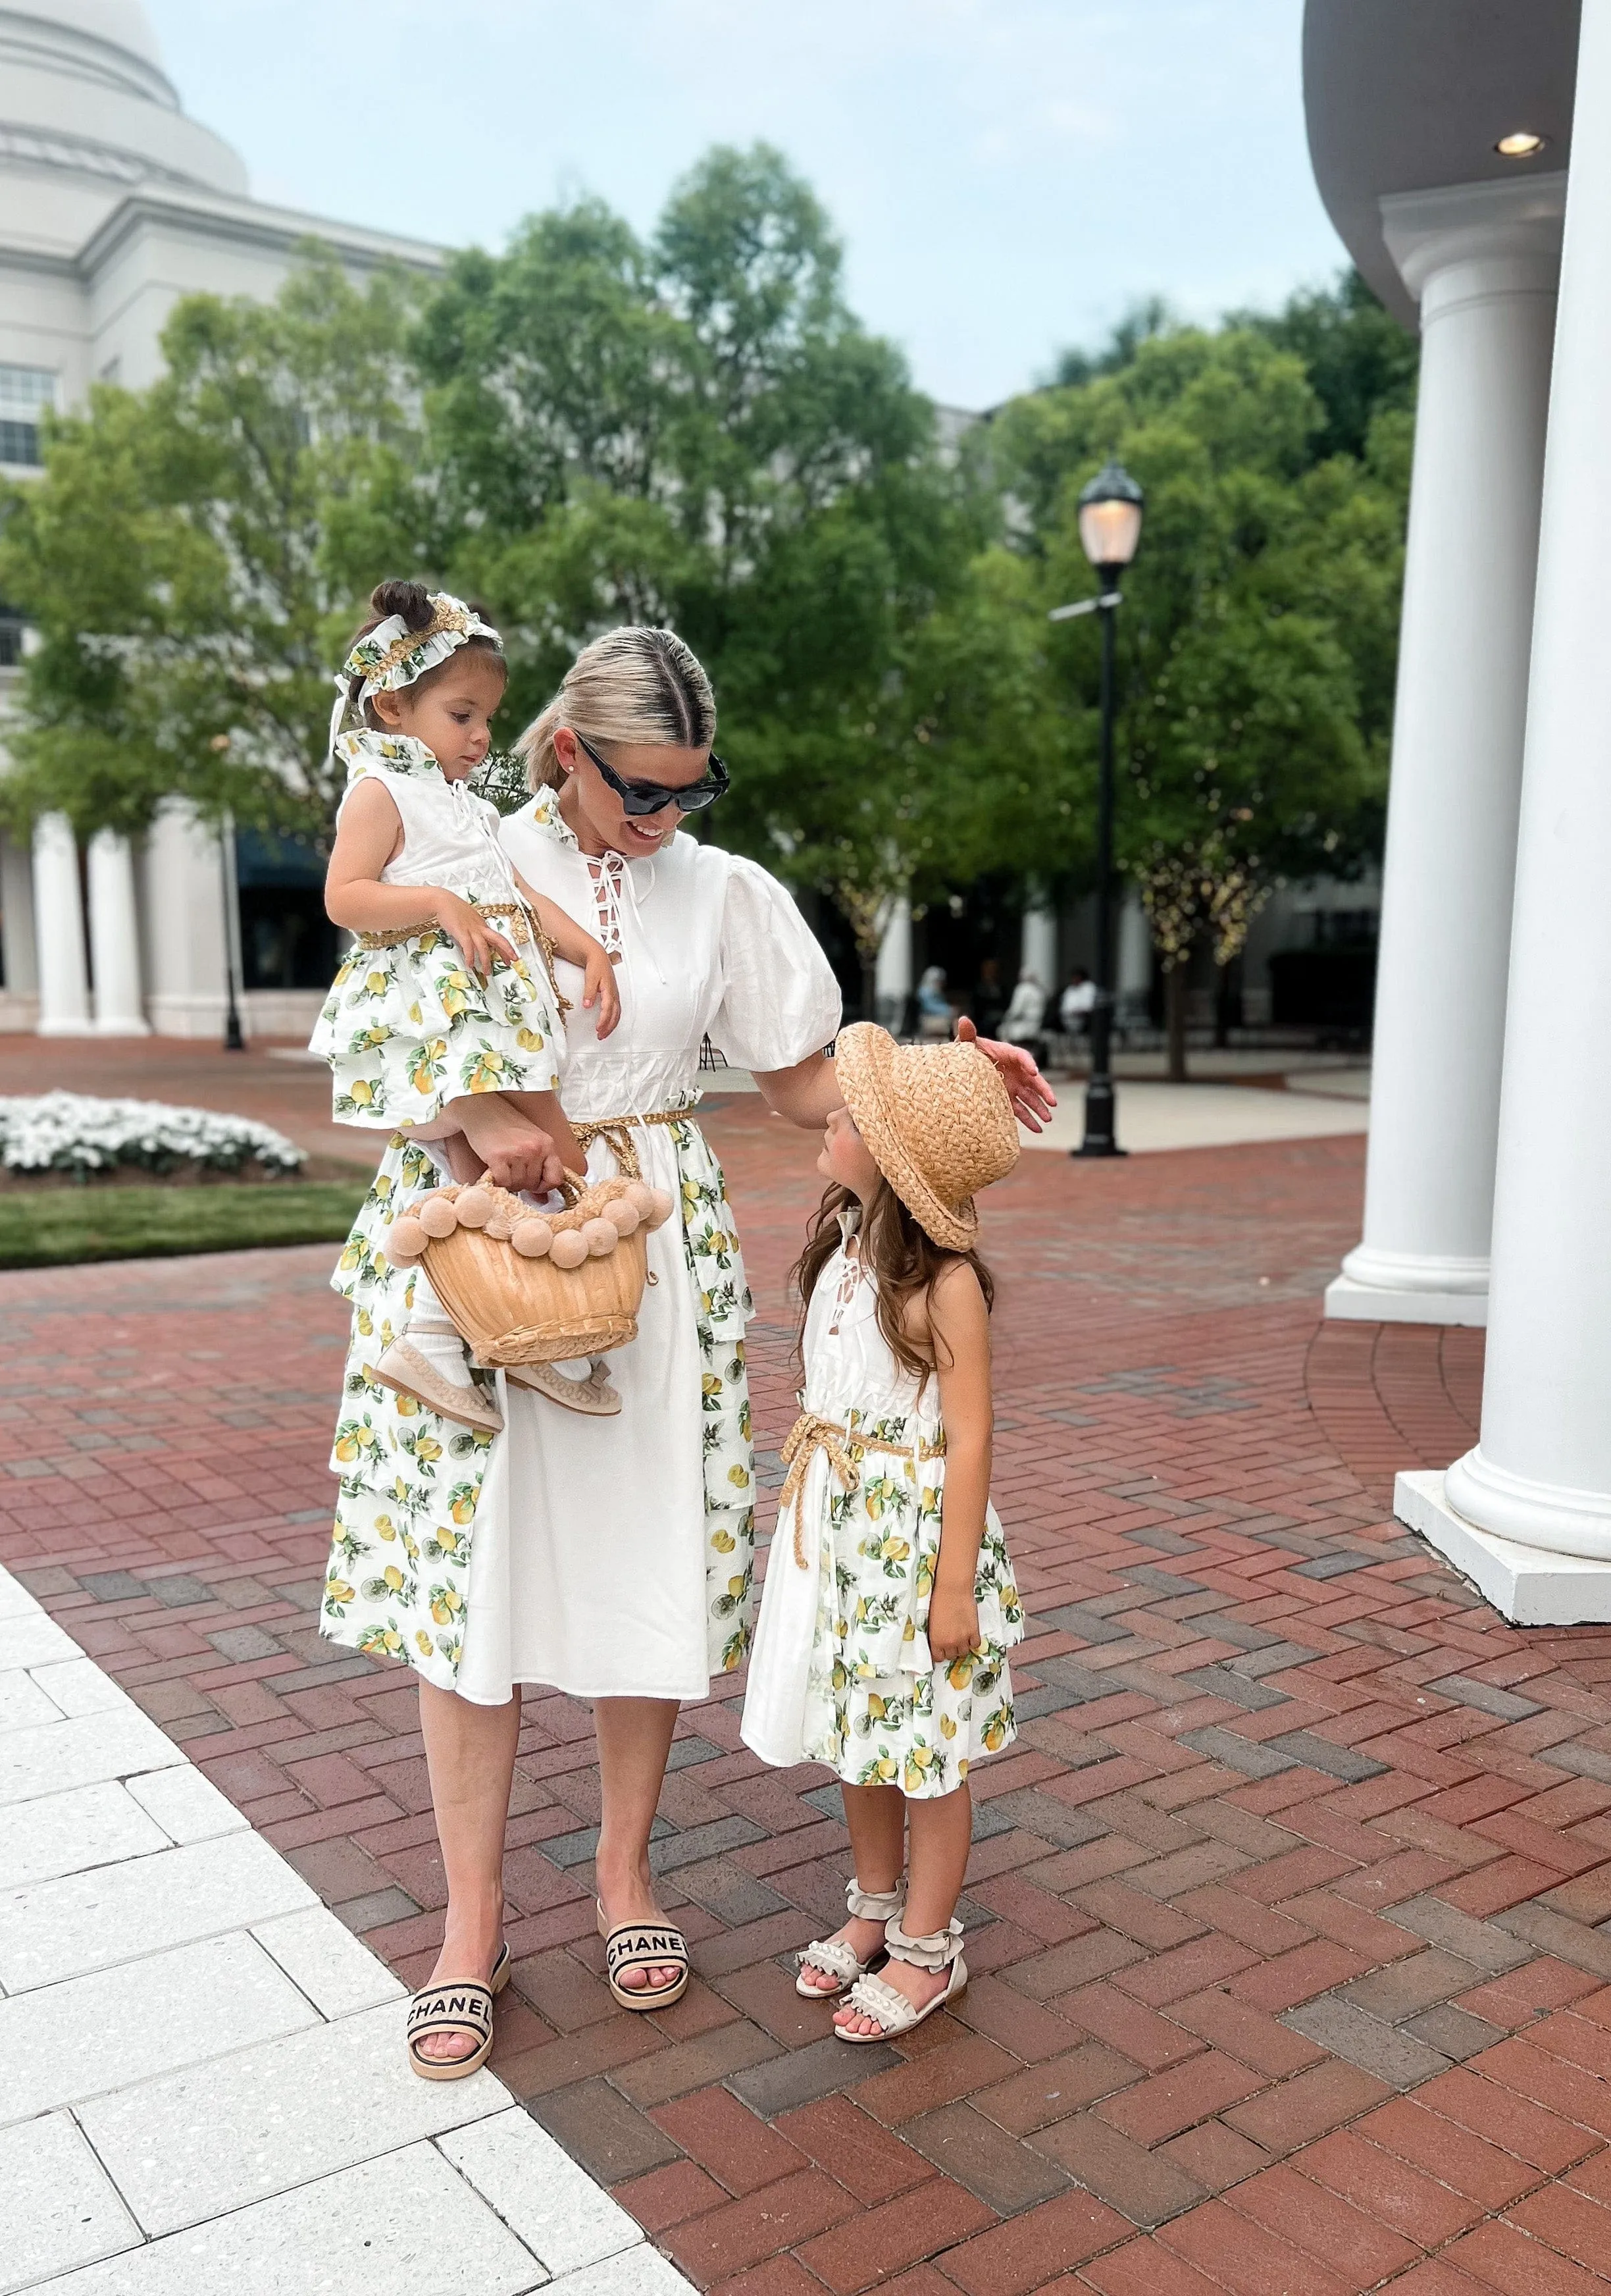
point(936, 1120)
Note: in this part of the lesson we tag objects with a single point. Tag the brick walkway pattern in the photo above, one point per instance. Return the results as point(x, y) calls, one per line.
point(1288, 1913)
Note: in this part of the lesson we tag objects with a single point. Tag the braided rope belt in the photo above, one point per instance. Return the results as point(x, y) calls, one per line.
point(522, 928)
point(842, 1449)
point(615, 1132)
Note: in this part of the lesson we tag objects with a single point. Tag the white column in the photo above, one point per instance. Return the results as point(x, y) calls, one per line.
point(1541, 1476)
point(892, 979)
point(59, 930)
point(183, 884)
point(17, 918)
point(114, 938)
point(1039, 949)
point(1484, 260)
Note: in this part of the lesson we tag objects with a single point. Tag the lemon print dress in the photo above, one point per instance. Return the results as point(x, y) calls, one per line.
point(841, 1671)
point(406, 1025)
point(407, 1029)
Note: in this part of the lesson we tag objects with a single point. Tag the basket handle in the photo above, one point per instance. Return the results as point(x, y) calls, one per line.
point(573, 1187)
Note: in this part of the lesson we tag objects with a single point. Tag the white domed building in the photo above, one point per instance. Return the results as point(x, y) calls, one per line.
point(112, 206)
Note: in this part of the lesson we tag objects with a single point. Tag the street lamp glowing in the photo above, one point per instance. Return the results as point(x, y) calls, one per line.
point(1111, 529)
point(1522, 145)
point(1110, 518)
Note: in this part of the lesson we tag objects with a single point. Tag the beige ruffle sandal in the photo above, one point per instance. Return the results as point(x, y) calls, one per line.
point(892, 2012)
point(835, 1957)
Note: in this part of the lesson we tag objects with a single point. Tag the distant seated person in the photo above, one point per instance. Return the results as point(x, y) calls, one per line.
point(935, 1015)
point(989, 998)
point(1077, 1003)
point(1026, 1016)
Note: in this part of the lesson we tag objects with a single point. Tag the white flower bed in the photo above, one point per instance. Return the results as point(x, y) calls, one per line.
point(69, 1132)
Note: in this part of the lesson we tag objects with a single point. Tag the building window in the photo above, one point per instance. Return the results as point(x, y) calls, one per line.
point(24, 391)
point(286, 939)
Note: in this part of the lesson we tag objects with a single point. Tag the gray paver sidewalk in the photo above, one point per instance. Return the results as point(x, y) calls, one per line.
point(202, 2081)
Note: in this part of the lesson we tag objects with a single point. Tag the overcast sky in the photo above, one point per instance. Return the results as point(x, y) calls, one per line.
point(1008, 175)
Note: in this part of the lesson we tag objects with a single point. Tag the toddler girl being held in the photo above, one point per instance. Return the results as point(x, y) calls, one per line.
point(890, 1602)
point(444, 1022)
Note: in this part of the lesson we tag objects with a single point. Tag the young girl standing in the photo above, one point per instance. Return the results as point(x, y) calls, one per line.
point(889, 1604)
point(439, 1025)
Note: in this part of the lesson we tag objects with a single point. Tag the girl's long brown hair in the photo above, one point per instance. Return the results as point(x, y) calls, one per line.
point(904, 1258)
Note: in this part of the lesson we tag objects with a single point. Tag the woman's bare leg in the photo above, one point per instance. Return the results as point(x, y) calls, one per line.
point(875, 1818)
point(942, 1835)
point(469, 1753)
point(634, 1743)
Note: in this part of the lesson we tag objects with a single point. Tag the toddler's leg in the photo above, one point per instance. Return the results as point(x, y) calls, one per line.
point(942, 1835)
point(432, 1363)
point(875, 1818)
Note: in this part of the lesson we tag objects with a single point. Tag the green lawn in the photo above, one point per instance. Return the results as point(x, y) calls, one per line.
point(51, 1227)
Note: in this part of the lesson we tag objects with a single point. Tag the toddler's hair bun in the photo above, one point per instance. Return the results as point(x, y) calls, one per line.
point(411, 600)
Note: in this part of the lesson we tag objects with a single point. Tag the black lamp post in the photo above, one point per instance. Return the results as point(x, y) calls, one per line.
point(1110, 527)
point(235, 1040)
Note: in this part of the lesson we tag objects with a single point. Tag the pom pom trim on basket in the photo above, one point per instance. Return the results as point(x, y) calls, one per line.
point(530, 1287)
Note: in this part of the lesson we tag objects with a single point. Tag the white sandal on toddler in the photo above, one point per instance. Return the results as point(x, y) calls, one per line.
point(892, 2013)
point(836, 1956)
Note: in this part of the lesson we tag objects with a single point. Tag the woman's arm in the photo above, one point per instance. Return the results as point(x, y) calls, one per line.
point(368, 835)
point(807, 1093)
point(959, 1329)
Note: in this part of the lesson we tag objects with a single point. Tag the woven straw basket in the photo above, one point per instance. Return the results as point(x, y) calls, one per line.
point(519, 1293)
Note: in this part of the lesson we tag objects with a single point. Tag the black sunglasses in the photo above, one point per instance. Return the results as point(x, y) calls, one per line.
point(654, 797)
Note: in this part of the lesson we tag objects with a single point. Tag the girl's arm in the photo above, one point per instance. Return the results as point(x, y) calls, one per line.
point(368, 835)
point(959, 1331)
point(577, 947)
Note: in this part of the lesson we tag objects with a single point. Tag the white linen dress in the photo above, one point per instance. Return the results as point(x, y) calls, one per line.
point(613, 1557)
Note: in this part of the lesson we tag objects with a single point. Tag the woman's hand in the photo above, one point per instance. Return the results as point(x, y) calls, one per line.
point(599, 988)
point(1033, 1098)
point(475, 939)
point(953, 1623)
point(517, 1152)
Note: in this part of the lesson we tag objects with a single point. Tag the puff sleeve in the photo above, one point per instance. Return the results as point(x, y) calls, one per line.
point(779, 1000)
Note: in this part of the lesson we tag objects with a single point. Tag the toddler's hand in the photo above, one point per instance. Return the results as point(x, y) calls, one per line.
point(953, 1625)
point(474, 937)
point(599, 988)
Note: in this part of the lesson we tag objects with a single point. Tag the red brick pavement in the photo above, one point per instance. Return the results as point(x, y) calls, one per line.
point(1288, 1913)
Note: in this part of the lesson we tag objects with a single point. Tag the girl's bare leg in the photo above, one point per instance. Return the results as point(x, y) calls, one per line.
point(634, 1743)
point(469, 1753)
point(875, 1818)
point(942, 1835)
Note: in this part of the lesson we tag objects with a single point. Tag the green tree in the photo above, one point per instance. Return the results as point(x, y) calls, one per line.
point(1256, 644)
point(696, 430)
point(191, 558)
point(1360, 362)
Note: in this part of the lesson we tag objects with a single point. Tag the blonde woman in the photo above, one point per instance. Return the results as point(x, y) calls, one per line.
point(613, 1556)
